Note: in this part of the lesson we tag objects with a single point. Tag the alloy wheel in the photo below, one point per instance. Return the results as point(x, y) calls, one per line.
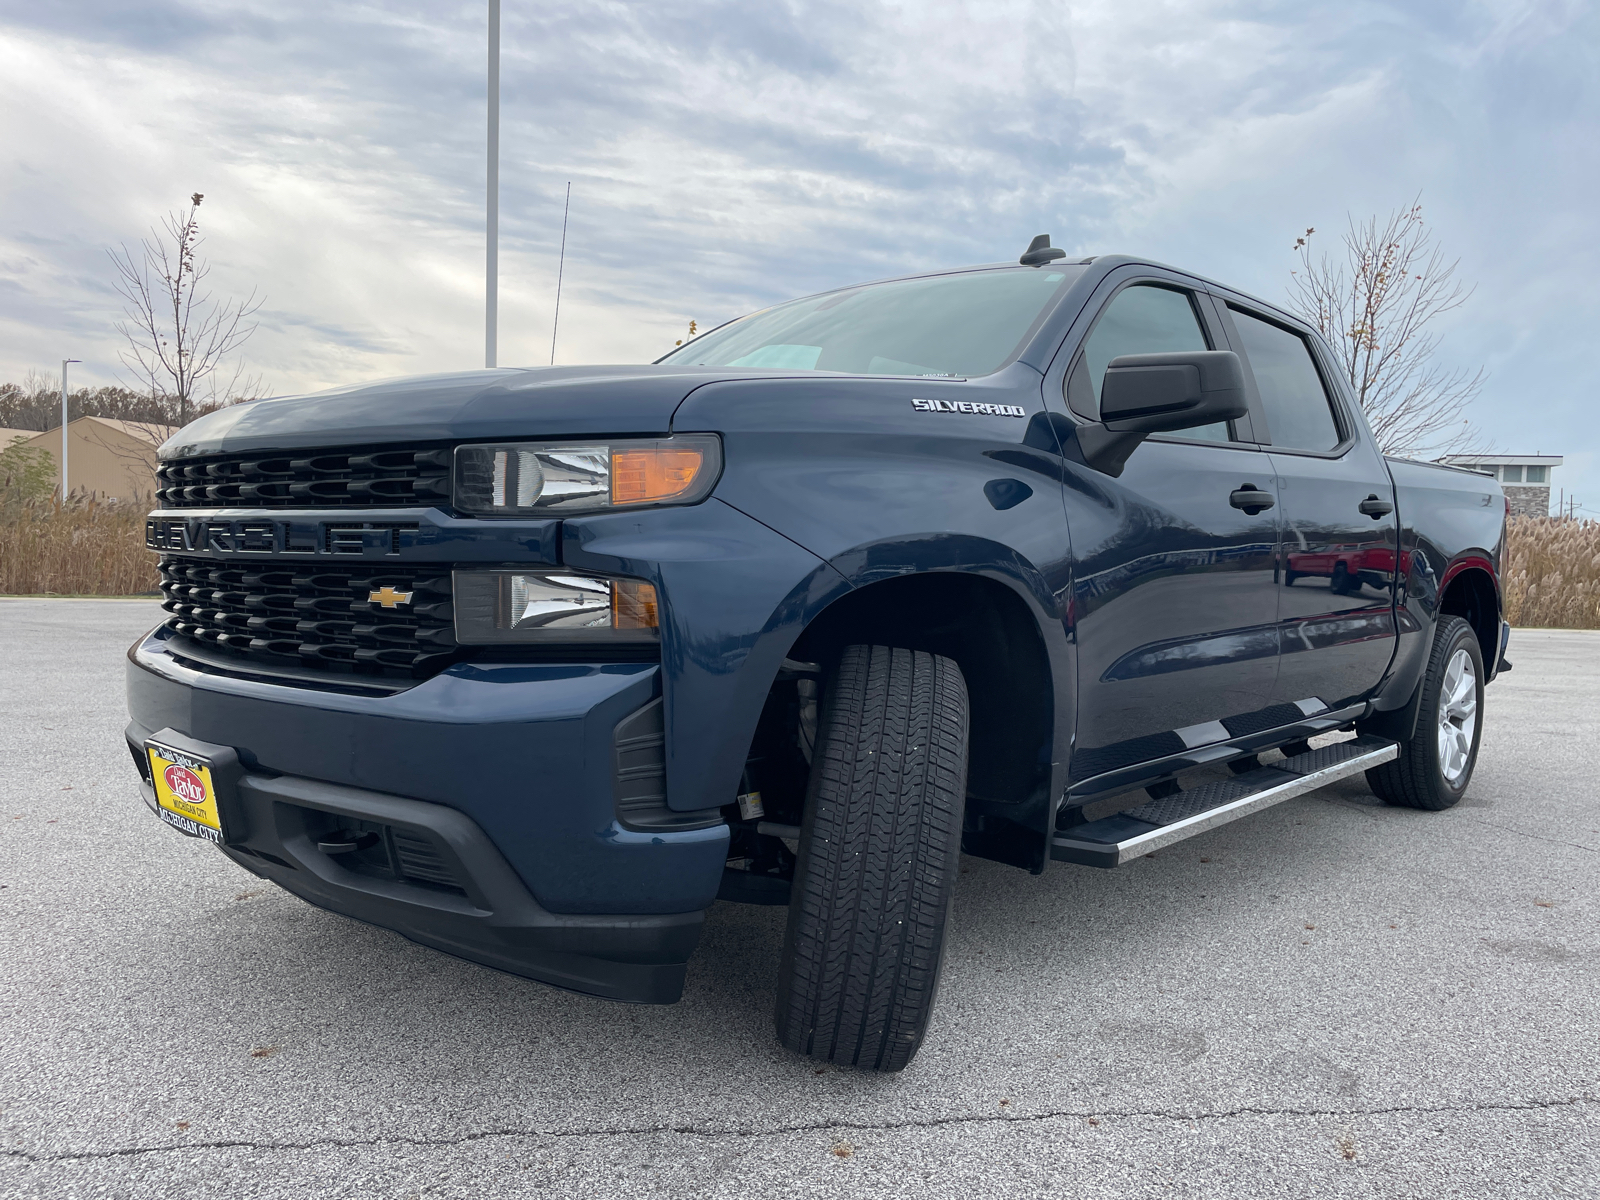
point(1458, 716)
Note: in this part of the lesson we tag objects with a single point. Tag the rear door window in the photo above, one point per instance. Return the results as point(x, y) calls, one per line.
point(1142, 319)
point(1299, 415)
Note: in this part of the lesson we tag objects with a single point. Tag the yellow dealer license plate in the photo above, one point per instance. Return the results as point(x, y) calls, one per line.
point(186, 797)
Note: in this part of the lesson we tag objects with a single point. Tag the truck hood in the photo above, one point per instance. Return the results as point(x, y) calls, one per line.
point(503, 403)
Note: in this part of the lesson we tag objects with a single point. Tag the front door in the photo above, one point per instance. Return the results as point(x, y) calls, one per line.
point(1337, 564)
point(1174, 606)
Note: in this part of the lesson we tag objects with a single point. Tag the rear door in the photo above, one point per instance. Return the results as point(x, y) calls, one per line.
point(1336, 568)
point(1174, 606)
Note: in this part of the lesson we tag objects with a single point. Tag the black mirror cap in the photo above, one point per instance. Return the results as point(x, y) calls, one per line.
point(1163, 393)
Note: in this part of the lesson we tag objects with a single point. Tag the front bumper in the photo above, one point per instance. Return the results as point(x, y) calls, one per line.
point(508, 770)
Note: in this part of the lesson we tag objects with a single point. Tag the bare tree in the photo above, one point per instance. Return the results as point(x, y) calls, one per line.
point(1374, 304)
point(35, 403)
point(178, 337)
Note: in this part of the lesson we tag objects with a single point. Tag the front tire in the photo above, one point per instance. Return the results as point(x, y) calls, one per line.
point(880, 849)
point(1435, 766)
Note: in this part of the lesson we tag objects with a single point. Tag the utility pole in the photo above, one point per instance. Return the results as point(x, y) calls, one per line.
point(492, 216)
point(64, 488)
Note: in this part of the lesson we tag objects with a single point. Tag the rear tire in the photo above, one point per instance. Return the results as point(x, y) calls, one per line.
point(880, 846)
point(1435, 766)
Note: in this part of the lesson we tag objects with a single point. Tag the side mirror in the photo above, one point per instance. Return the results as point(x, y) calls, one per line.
point(1159, 393)
point(1163, 393)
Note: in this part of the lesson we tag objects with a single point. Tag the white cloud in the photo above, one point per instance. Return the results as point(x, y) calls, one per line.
point(726, 155)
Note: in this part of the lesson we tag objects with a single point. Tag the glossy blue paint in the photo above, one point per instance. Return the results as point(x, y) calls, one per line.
point(1337, 576)
point(1450, 520)
point(538, 402)
point(1175, 603)
point(524, 749)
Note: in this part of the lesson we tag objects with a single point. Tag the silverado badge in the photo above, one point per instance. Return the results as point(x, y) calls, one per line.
point(966, 406)
point(388, 597)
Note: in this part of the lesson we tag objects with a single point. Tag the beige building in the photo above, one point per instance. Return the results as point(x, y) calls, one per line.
point(110, 460)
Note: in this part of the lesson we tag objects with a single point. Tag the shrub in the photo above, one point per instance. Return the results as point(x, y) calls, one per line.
point(1551, 573)
point(83, 548)
point(25, 475)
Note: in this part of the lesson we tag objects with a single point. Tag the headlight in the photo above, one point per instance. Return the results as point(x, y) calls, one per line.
point(521, 479)
point(497, 607)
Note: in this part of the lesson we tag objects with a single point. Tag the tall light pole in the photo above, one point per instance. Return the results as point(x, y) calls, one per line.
point(561, 269)
point(492, 216)
point(64, 488)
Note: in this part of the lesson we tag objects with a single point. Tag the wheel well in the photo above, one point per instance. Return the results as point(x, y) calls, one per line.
point(1471, 596)
point(991, 634)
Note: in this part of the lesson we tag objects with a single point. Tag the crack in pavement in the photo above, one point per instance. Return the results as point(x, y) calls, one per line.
point(800, 1127)
point(1524, 833)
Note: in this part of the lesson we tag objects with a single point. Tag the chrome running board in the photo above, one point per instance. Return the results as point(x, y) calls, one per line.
point(1135, 832)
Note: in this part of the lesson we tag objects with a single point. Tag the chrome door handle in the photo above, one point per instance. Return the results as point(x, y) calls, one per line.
point(1251, 499)
point(1375, 508)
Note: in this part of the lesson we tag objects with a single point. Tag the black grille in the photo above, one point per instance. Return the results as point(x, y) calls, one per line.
point(418, 858)
point(360, 477)
point(313, 616)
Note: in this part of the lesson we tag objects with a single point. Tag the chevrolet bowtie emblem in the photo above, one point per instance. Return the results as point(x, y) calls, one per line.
point(388, 597)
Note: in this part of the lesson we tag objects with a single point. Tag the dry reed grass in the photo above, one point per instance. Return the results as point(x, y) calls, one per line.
point(87, 548)
point(1551, 573)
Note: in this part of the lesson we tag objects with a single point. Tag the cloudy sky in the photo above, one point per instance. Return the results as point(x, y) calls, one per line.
point(726, 155)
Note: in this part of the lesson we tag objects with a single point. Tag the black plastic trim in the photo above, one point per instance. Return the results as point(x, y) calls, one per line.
point(639, 776)
point(188, 653)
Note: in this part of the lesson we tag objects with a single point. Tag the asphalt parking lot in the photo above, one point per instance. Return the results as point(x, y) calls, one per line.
point(1330, 999)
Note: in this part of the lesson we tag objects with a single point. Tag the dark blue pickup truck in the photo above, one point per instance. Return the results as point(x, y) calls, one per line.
point(1039, 561)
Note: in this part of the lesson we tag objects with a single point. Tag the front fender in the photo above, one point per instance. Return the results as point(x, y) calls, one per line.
point(734, 596)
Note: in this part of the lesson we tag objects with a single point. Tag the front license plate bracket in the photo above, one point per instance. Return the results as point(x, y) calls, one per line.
point(196, 786)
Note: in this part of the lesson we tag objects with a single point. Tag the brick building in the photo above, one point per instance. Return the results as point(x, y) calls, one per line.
point(1525, 477)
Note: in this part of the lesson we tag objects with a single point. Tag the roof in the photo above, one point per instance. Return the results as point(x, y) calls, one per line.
point(145, 431)
point(1502, 460)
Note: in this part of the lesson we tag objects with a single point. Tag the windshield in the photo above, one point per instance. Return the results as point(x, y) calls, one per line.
point(962, 325)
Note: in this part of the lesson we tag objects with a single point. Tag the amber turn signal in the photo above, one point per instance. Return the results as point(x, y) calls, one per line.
point(633, 605)
point(653, 474)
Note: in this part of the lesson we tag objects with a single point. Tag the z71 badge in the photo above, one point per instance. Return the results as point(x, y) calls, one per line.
point(969, 406)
